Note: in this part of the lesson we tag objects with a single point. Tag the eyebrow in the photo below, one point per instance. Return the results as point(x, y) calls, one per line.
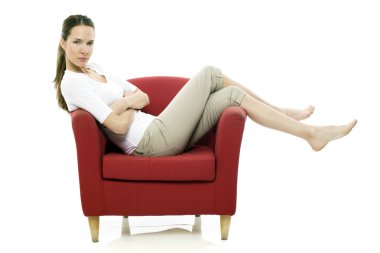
point(82, 40)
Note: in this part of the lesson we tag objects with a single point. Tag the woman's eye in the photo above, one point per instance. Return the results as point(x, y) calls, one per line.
point(76, 42)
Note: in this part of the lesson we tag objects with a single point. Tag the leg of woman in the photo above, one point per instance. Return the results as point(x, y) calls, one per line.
point(293, 113)
point(171, 131)
point(261, 113)
point(316, 136)
point(216, 104)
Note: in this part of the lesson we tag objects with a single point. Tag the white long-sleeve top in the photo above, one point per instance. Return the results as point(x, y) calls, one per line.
point(81, 91)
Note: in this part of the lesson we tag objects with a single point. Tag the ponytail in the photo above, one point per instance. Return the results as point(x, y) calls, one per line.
point(61, 67)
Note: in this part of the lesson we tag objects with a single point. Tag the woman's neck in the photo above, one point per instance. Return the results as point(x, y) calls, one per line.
point(74, 68)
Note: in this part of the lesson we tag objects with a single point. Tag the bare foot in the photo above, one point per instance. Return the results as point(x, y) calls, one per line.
point(299, 114)
point(324, 134)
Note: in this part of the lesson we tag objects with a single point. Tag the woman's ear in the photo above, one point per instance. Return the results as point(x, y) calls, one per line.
point(62, 42)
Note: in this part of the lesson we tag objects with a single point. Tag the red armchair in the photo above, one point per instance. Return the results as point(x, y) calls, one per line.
point(200, 181)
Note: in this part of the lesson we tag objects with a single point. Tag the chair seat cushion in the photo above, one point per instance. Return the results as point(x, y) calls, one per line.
point(197, 164)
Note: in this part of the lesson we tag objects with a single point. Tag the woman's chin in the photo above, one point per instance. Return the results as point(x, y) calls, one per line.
point(82, 65)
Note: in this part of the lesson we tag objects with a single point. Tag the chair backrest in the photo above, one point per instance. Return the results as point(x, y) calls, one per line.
point(161, 90)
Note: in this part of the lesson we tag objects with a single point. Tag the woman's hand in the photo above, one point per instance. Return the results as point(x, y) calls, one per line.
point(131, 100)
point(127, 93)
point(136, 100)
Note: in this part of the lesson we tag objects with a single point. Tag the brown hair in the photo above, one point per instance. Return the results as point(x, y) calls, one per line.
point(68, 24)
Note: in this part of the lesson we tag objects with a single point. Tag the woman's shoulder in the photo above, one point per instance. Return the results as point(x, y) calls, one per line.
point(72, 82)
point(70, 77)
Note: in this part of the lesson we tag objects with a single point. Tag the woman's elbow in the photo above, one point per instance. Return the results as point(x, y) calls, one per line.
point(147, 101)
point(120, 130)
point(122, 126)
point(115, 124)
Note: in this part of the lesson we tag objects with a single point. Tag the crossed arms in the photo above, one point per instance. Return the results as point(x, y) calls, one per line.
point(124, 110)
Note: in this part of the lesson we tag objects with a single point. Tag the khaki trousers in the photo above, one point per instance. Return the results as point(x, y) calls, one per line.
point(191, 114)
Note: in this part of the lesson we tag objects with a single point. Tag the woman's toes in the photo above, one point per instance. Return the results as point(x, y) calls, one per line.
point(299, 114)
point(321, 136)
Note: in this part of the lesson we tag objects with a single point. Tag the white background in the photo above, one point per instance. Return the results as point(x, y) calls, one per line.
point(292, 53)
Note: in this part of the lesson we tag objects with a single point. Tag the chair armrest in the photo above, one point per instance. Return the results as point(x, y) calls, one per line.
point(229, 133)
point(90, 144)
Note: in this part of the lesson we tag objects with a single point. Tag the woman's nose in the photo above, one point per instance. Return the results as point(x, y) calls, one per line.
point(84, 50)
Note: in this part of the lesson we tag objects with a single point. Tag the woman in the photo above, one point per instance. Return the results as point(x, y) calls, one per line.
point(116, 103)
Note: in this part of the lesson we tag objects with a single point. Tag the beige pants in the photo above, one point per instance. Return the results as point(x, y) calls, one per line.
point(191, 114)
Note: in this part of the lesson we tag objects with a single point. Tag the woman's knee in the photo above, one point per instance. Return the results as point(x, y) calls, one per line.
point(215, 75)
point(235, 94)
point(212, 71)
point(208, 69)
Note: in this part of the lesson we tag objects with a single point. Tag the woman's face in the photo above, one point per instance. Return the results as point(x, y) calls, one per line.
point(78, 47)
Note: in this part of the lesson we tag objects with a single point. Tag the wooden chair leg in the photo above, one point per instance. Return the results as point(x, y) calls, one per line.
point(225, 221)
point(93, 221)
point(125, 228)
point(197, 227)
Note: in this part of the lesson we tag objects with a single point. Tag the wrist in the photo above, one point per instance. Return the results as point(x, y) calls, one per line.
point(127, 102)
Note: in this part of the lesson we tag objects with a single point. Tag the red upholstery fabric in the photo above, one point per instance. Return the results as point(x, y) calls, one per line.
point(197, 164)
point(161, 91)
point(201, 181)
